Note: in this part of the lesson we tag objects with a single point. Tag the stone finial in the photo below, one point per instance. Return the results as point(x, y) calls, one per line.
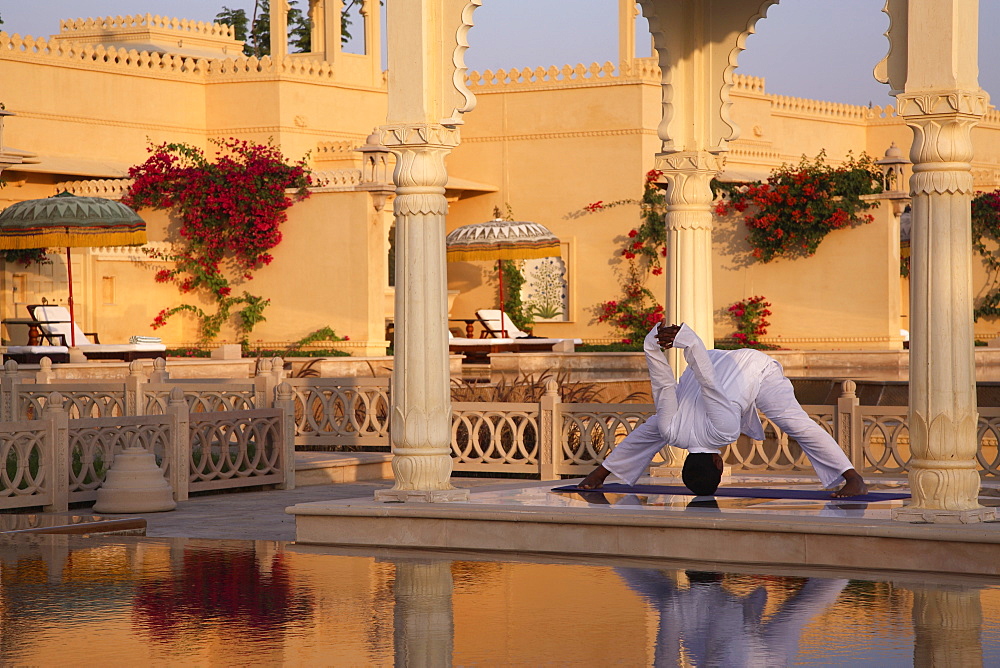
point(551, 388)
point(55, 401)
point(135, 368)
point(848, 389)
point(10, 368)
point(177, 396)
point(283, 392)
point(159, 365)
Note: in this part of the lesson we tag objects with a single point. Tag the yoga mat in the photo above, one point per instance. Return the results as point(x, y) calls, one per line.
point(745, 492)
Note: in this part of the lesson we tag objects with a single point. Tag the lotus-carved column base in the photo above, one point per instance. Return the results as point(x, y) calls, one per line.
point(422, 477)
point(944, 493)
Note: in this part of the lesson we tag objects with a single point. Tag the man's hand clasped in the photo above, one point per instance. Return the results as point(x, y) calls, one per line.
point(666, 334)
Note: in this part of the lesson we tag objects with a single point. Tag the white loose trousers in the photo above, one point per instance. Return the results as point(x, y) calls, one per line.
point(716, 399)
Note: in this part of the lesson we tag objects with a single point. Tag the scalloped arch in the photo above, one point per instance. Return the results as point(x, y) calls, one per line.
point(728, 73)
point(458, 60)
point(662, 50)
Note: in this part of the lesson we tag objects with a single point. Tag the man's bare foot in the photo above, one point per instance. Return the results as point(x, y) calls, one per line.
point(595, 479)
point(854, 485)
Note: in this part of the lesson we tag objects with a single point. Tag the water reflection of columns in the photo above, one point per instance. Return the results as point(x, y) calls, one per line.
point(423, 623)
point(943, 416)
point(420, 423)
point(947, 626)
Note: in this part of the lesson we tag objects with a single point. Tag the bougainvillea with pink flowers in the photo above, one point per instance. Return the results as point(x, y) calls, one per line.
point(751, 322)
point(231, 211)
point(792, 212)
point(642, 250)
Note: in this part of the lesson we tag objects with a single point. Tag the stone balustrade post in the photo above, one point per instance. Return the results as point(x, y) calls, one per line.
point(179, 454)
point(550, 432)
point(284, 400)
point(420, 414)
point(9, 382)
point(56, 454)
point(45, 374)
point(135, 400)
point(159, 373)
point(848, 428)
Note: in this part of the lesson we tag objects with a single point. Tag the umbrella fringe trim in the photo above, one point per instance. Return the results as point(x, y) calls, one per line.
point(28, 239)
point(549, 250)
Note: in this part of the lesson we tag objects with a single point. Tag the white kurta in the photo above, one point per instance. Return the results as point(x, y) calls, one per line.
point(716, 399)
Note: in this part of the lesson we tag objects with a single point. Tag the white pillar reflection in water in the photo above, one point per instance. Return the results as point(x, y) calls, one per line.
point(423, 623)
point(947, 626)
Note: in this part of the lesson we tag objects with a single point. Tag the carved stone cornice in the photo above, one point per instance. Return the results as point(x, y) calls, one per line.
point(935, 103)
point(416, 135)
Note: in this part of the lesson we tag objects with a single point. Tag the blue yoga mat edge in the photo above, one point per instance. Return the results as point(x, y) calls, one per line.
point(743, 492)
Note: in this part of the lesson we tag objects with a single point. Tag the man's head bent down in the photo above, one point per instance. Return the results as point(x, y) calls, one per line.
point(702, 473)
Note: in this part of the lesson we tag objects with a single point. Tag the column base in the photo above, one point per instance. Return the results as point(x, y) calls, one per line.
point(939, 516)
point(422, 495)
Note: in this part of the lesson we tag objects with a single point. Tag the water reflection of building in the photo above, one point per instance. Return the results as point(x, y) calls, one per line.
point(201, 602)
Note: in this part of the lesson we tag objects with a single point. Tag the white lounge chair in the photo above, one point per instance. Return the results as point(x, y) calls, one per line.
point(57, 328)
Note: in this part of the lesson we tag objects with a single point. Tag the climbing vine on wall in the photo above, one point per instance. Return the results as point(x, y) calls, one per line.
point(791, 213)
point(985, 240)
point(642, 250)
point(231, 210)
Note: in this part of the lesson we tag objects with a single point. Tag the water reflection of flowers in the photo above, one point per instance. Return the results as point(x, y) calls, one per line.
point(227, 586)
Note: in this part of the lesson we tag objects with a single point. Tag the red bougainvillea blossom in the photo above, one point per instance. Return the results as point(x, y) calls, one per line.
point(793, 211)
point(231, 210)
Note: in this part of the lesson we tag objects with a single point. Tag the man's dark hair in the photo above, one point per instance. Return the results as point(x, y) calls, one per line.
point(700, 474)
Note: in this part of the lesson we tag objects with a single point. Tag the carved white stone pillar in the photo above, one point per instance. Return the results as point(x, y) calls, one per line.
point(688, 264)
point(423, 621)
point(420, 421)
point(941, 102)
point(427, 98)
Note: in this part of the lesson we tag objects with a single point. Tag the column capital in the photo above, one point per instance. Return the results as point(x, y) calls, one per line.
point(943, 103)
point(673, 162)
point(416, 135)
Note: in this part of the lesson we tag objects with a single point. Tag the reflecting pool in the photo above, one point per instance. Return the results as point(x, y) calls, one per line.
point(79, 600)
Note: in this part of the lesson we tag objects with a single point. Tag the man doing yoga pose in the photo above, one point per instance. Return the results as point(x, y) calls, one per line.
point(715, 400)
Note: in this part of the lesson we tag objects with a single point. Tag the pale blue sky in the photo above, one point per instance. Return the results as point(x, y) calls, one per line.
point(805, 48)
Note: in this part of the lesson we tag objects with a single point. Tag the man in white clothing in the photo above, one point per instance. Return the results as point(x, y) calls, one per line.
point(715, 400)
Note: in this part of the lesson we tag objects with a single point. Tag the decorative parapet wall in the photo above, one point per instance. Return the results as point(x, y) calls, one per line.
point(323, 181)
point(165, 65)
point(567, 76)
point(155, 34)
point(335, 180)
point(87, 27)
point(107, 188)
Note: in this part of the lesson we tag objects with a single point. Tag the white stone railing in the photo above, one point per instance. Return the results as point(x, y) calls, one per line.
point(53, 461)
point(332, 412)
point(547, 438)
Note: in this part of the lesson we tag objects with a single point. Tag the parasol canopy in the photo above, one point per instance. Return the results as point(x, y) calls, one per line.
point(69, 221)
point(500, 240)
